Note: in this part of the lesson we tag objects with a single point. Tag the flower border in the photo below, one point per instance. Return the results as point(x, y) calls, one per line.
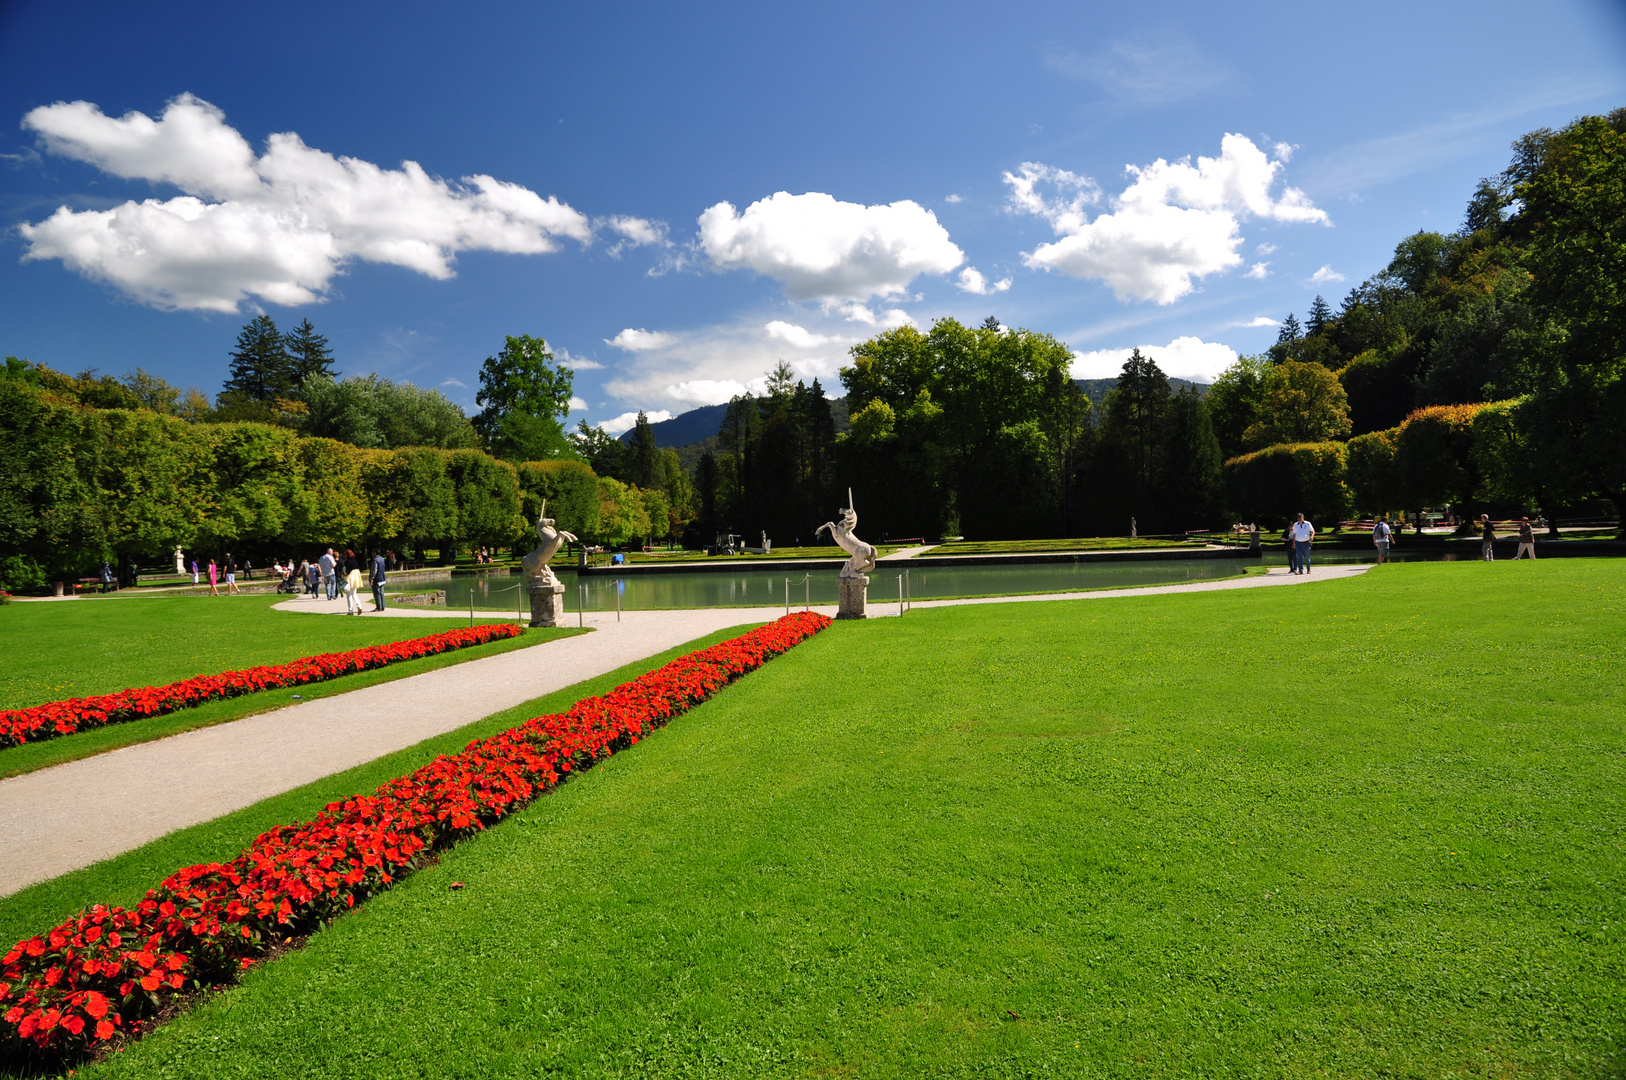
point(57, 718)
point(103, 974)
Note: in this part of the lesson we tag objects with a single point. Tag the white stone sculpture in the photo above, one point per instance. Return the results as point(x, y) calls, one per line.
point(547, 591)
point(861, 560)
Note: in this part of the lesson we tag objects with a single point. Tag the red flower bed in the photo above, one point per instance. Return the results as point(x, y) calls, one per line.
point(18, 726)
point(100, 975)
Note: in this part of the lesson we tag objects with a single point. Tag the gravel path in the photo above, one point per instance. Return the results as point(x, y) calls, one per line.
point(70, 816)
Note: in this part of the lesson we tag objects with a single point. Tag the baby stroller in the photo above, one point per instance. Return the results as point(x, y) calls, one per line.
point(289, 583)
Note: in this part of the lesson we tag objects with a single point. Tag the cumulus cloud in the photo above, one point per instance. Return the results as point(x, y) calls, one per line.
point(1259, 271)
point(578, 405)
point(1259, 320)
point(574, 363)
point(881, 320)
point(972, 281)
point(1324, 275)
point(639, 340)
point(821, 249)
point(1265, 249)
point(1183, 358)
point(634, 232)
point(626, 420)
point(796, 336)
point(1173, 223)
point(953, 198)
point(278, 226)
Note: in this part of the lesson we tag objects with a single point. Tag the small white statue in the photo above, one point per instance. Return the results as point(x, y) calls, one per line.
point(862, 559)
point(537, 572)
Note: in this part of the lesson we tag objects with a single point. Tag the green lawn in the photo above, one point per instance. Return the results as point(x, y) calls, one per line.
point(95, 646)
point(1361, 828)
point(155, 640)
point(1088, 543)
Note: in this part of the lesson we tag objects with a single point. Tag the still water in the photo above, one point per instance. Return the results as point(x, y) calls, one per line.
point(762, 588)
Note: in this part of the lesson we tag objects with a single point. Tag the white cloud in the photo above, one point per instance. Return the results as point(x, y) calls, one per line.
point(1173, 223)
point(574, 363)
point(1259, 271)
point(455, 382)
point(1259, 320)
point(279, 226)
point(825, 250)
point(881, 320)
point(634, 232)
point(626, 420)
point(1183, 358)
point(1265, 249)
point(954, 198)
point(1147, 74)
point(639, 340)
point(796, 336)
point(578, 405)
point(972, 281)
point(696, 392)
point(1283, 151)
point(1324, 275)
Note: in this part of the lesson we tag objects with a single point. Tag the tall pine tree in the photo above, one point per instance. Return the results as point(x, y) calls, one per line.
point(261, 369)
point(308, 353)
point(1316, 321)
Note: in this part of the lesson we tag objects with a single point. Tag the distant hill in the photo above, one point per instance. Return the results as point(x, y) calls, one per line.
point(698, 425)
point(1096, 389)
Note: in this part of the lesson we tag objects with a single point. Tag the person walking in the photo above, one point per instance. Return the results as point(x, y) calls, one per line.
point(1381, 537)
point(378, 580)
point(107, 576)
point(231, 575)
point(352, 583)
point(1487, 538)
point(1292, 550)
point(330, 586)
point(194, 570)
point(1303, 537)
point(214, 577)
point(1527, 539)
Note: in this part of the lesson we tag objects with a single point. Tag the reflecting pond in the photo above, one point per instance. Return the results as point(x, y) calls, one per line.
point(761, 588)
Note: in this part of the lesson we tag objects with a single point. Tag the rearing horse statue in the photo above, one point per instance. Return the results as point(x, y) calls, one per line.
point(537, 571)
point(862, 559)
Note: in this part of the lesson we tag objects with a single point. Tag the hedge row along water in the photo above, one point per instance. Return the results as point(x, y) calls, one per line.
point(48, 721)
point(102, 975)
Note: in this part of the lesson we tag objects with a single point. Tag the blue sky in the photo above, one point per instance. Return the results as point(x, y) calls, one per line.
point(1170, 176)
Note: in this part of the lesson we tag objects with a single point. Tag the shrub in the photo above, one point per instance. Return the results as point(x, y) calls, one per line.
point(1273, 485)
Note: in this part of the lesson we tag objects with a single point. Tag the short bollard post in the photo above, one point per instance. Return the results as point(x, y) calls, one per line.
point(471, 607)
point(900, 596)
point(617, 599)
point(787, 596)
point(581, 606)
point(807, 591)
point(908, 594)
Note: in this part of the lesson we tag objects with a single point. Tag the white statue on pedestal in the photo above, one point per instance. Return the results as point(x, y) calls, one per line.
point(854, 585)
point(547, 591)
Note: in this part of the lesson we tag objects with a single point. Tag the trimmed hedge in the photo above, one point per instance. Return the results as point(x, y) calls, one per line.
point(1274, 485)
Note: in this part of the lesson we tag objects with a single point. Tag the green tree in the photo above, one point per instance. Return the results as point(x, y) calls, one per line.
point(524, 398)
point(570, 490)
point(1192, 482)
point(1574, 211)
point(645, 463)
point(1319, 316)
point(1132, 439)
point(1302, 403)
point(603, 452)
point(308, 353)
point(380, 413)
point(261, 369)
point(1236, 400)
point(421, 486)
point(487, 498)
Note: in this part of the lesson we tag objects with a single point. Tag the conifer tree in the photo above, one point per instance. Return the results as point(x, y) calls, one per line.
point(1320, 314)
point(261, 369)
point(308, 353)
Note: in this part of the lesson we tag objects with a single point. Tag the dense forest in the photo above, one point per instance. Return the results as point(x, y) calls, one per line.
point(1479, 369)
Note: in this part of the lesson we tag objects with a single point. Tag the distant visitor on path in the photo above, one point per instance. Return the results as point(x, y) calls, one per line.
point(1487, 538)
point(1381, 537)
point(1527, 539)
point(231, 575)
point(329, 582)
point(107, 577)
point(194, 571)
point(377, 579)
point(214, 578)
point(1292, 550)
point(1303, 537)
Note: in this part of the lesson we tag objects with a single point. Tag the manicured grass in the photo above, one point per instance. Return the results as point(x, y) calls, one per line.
point(124, 879)
point(1087, 543)
point(74, 648)
point(1362, 828)
point(16, 760)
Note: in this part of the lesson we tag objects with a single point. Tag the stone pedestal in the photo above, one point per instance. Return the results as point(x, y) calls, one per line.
point(548, 604)
point(854, 595)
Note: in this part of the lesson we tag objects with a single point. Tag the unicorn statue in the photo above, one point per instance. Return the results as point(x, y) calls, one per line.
point(861, 560)
point(547, 591)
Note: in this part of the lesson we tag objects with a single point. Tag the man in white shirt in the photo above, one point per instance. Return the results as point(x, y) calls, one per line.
point(1303, 534)
point(330, 585)
point(1381, 537)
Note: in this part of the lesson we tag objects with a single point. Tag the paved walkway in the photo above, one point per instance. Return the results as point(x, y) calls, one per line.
point(70, 816)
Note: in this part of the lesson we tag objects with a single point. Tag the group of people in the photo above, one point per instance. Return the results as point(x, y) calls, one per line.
point(333, 574)
point(1487, 539)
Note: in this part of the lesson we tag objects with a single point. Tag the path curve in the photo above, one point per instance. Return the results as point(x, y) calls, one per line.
point(69, 816)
